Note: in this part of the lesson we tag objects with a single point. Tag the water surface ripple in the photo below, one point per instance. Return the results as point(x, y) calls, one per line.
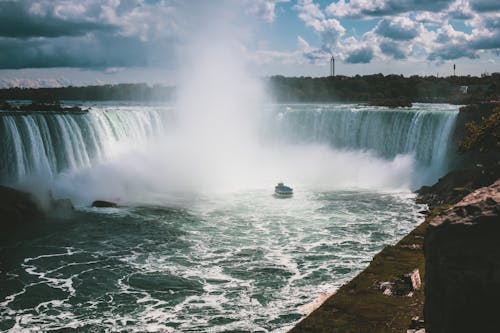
point(239, 262)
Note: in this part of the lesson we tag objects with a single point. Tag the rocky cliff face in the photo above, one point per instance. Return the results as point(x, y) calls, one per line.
point(453, 187)
point(462, 254)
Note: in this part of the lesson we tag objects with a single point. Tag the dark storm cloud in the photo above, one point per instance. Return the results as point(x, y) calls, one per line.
point(398, 7)
point(395, 30)
point(487, 42)
point(360, 56)
point(361, 8)
point(46, 33)
point(392, 49)
point(17, 21)
point(493, 23)
point(80, 52)
point(485, 5)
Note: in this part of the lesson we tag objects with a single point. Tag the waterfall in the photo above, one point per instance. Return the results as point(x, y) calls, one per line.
point(44, 145)
point(423, 131)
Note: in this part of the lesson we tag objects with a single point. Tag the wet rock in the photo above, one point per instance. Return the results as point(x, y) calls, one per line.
point(17, 208)
point(104, 204)
point(462, 254)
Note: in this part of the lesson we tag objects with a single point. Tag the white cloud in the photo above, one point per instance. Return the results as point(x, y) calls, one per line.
point(447, 34)
point(311, 54)
point(330, 30)
point(263, 9)
point(421, 28)
point(451, 44)
point(430, 18)
point(460, 10)
point(398, 28)
point(119, 35)
point(88, 33)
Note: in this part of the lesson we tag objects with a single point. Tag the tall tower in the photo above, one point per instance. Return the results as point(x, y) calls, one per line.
point(332, 66)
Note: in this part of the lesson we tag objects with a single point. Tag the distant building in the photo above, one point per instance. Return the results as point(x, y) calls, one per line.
point(332, 66)
point(463, 89)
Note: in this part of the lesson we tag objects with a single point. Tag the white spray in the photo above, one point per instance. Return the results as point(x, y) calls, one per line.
point(217, 144)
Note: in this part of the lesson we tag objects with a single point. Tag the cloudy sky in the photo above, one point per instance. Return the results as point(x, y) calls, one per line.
point(62, 42)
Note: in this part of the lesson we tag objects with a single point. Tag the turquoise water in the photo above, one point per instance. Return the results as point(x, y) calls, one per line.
point(199, 243)
point(240, 262)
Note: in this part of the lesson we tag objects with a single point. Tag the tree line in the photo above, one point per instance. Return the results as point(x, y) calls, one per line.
point(453, 89)
point(108, 92)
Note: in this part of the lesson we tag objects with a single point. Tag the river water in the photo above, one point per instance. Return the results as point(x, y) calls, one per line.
point(199, 244)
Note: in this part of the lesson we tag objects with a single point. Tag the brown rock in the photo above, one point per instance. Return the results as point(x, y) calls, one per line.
point(404, 285)
point(451, 188)
point(415, 281)
point(462, 253)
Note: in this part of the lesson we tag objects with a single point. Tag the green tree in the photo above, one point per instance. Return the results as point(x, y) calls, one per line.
point(483, 137)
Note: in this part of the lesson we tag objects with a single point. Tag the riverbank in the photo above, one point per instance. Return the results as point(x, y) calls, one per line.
point(362, 306)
